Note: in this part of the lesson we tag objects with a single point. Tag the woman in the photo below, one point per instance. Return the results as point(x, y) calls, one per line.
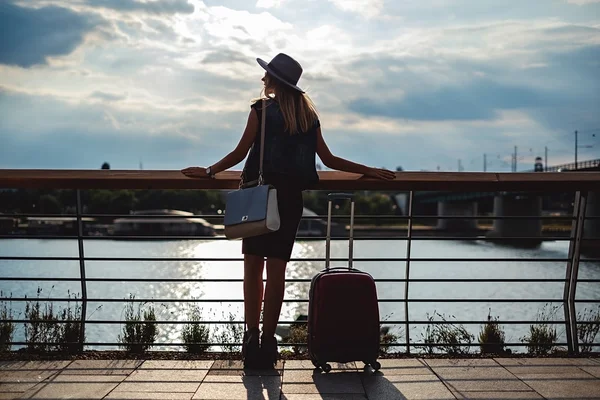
point(292, 139)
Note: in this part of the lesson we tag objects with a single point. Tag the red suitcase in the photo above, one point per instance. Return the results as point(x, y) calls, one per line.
point(343, 312)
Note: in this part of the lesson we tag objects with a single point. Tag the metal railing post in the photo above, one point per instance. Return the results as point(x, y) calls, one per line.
point(407, 272)
point(81, 271)
point(575, 268)
point(573, 271)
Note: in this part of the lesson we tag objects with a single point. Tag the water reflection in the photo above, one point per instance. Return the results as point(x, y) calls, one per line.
point(215, 269)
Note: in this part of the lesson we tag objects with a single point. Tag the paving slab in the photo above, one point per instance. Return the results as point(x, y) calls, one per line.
point(464, 375)
point(563, 386)
point(497, 396)
point(236, 367)
point(554, 366)
point(21, 376)
point(215, 387)
point(148, 396)
point(102, 367)
point(323, 396)
point(10, 396)
point(167, 376)
point(409, 366)
point(406, 387)
point(69, 390)
point(592, 369)
point(34, 365)
point(177, 364)
point(158, 387)
point(334, 382)
point(87, 378)
point(308, 365)
point(18, 387)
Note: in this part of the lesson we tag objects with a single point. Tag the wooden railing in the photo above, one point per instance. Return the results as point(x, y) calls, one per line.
point(329, 180)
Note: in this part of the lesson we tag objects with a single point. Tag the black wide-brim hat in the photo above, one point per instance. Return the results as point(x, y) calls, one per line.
point(285, 69)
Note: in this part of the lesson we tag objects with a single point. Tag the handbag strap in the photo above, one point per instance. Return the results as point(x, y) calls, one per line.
point(262, 141)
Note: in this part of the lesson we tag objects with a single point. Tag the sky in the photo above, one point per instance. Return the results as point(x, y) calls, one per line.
point(421, 84)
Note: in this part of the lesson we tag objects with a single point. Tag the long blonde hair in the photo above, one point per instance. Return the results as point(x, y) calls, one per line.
point(299, 111)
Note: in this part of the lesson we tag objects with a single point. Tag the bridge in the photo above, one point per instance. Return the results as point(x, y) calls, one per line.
point(435, 196)
point(518, 204)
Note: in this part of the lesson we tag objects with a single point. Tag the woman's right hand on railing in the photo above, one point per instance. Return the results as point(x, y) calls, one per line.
point(380, 173)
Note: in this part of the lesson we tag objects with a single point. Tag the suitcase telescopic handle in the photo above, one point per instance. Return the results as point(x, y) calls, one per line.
point(341, 196)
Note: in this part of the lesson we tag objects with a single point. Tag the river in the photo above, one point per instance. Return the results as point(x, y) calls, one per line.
point(170, 333)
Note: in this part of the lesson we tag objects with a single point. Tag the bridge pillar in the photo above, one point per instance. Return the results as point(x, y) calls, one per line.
point(518, 205)
point(457, 208)
point(591, 228)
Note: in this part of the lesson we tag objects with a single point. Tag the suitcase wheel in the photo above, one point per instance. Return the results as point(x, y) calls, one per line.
point(324, 367)
point(375, 366)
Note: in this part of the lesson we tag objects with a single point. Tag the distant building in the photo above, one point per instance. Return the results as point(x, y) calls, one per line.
point(55, 225)
point(182, 223)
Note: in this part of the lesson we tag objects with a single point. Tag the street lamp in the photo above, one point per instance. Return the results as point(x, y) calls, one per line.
point(589, 146)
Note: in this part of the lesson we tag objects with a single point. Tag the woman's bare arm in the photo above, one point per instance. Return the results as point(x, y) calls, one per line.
point(342, 164)
point(233, 158)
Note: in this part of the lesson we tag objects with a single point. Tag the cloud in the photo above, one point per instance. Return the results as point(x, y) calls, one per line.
point(107, 96)
point(268, 3)
point(62, 134)
point(157, 7)
point(368, 8)
point(29, 35)
point(477, 100)
point(225, 56)
point(457, 76)
point(582, 2)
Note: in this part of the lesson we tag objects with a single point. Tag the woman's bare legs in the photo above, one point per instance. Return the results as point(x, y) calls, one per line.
point(274, 293)
point(253, 289)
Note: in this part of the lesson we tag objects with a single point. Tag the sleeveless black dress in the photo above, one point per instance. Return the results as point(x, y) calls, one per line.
point(290, 166)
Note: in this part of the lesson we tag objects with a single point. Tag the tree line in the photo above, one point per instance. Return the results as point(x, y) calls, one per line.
point(205, 202)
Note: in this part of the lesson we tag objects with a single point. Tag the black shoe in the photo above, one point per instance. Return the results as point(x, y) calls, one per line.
point(268, 352)
point(251, 348)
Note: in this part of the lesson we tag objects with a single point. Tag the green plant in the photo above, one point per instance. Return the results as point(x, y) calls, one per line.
point(587, 332)
point(386, 337)
point(46, 331)
point(138, 334)
point(491, 336)
point(41, 330)
point(447, 337)
point(69, 332)
point(299, 336)
point(229, 335)
point(7, 328)
point(542, 336)
point(194, 335)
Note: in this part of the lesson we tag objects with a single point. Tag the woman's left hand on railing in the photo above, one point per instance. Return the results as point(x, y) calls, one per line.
point(195, 172)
